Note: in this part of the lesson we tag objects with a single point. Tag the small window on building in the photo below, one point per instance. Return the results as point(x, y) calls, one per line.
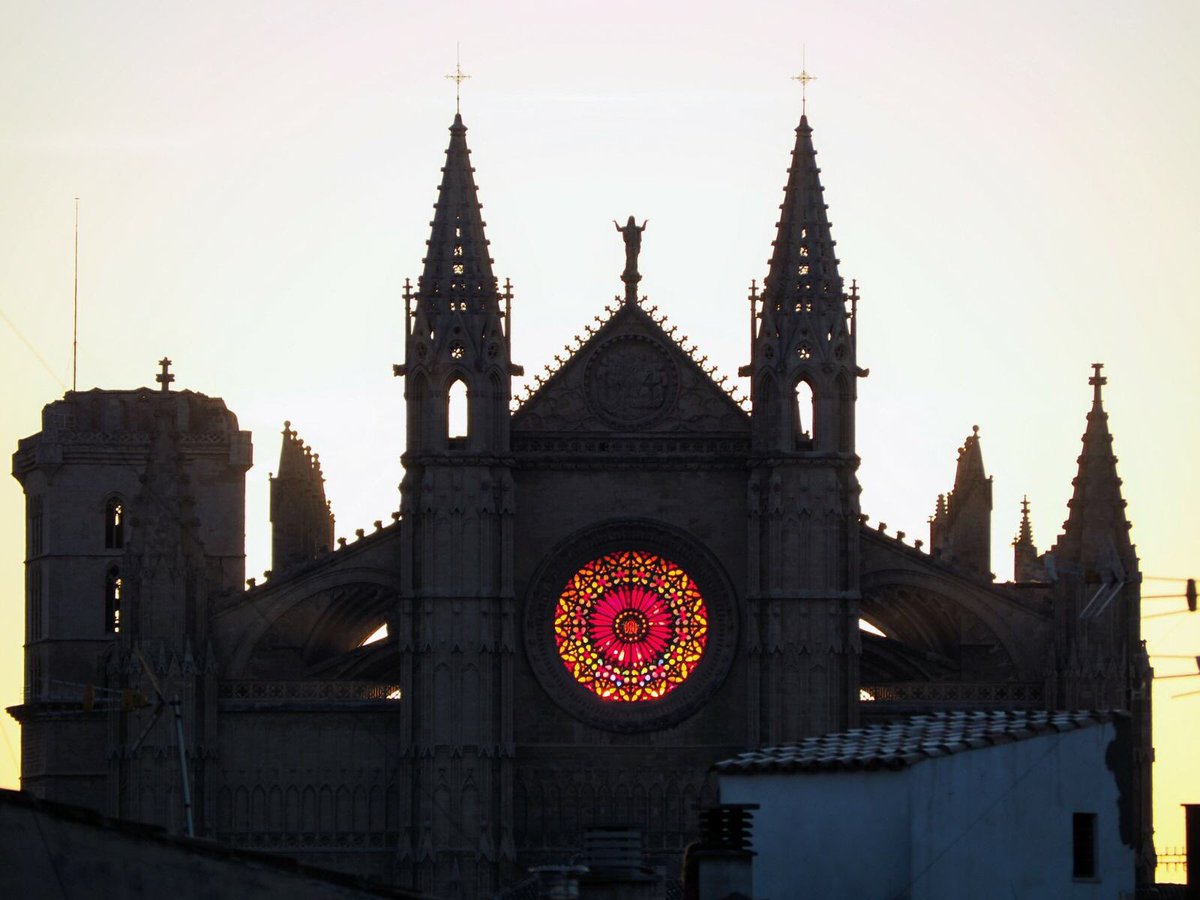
point(456, 411)
point(34, 526)
point(114, 524)
point(34, 607)
point(1084, 845)
point(112, 601)
point(805, 413)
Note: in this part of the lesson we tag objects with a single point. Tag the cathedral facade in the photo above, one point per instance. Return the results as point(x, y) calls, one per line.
point(590, 596)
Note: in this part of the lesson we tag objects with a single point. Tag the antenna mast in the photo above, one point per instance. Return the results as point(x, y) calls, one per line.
point(75, 315)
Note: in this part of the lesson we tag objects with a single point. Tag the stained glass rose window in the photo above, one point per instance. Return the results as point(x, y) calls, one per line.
point(630, 626)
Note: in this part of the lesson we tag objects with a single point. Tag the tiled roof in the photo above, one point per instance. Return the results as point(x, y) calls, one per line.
point(896, 745)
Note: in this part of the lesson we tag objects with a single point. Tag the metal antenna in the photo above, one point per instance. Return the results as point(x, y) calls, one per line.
point(75, 314)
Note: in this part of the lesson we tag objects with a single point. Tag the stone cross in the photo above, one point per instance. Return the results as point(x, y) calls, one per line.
point(164, 378)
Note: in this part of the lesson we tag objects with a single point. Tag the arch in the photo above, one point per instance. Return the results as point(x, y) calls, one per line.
point(114, 523)
point(262, 610)
point(458, 410)
point(804, 413)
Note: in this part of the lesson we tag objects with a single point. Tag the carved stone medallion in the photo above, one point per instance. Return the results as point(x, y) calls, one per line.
point(631, 381)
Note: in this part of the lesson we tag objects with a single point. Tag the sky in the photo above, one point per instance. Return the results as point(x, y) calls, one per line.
point(1013, 186)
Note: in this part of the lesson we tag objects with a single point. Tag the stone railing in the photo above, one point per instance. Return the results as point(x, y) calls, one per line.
point(308, 690)
point(956, 694)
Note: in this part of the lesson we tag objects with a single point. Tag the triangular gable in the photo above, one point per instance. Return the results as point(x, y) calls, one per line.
point(630, 375)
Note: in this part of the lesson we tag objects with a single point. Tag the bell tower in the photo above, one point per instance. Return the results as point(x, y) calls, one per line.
point(454, 624)
point(803, 490)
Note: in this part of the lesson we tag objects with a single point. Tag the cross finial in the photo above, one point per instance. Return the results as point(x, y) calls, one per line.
point(458, 78)
point(164, 378)
point(1097, 380)
point(804, 78)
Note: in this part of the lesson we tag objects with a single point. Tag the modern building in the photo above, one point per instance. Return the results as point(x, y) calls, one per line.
point(1028, 804)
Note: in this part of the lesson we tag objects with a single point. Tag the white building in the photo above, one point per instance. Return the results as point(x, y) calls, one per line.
point(1013, 804)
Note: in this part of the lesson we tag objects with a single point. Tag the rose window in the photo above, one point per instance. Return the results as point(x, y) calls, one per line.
point(630, 626)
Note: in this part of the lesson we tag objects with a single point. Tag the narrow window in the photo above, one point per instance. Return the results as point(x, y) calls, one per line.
point(114, 524)
point(1084, 845)
point(34, 607)
point(805, 415)
point(34, 526)
point(112, 601)
point(456, 410)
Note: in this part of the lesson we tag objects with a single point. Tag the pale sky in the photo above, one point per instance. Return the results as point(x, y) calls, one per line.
point(1013, 185)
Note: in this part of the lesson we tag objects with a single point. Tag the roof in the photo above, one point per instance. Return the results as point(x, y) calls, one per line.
point(138, 831)
point(897, 745)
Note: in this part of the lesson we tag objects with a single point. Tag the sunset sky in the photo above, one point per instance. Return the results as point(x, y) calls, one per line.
point(1014, 186)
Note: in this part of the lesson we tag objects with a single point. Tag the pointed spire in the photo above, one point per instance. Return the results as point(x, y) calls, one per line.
point(804, 269)
point(302, 523)
point(970, 463)
point(1025, 530)
point(457, 265)
point(1096, 533)
point(961, 528)
point(1026, 565)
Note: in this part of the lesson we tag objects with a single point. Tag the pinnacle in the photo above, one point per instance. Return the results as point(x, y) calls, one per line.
point(457, 265)
point(803, 274)
point(1097, 509)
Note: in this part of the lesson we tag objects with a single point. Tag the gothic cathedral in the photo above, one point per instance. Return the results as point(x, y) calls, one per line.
point(550, 668)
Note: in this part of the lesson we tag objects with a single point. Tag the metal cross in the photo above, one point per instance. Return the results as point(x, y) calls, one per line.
point(165, 377)
point(458, 78)
point(804, 78)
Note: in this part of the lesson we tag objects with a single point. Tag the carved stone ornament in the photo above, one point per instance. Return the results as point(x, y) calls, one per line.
point(631, 381)
point(561, 566)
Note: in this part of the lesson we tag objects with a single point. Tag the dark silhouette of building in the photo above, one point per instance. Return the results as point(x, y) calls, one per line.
point(589, 599)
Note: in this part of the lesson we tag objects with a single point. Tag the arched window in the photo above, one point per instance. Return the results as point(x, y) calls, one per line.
point(112, 600)
point(457, 418)
point(806, 413)
point(114, 524)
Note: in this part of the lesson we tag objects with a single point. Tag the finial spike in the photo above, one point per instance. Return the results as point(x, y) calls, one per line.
point(458, 78)
point(804, 78)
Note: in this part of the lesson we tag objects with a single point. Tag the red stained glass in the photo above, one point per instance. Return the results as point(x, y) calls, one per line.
point(630, 626)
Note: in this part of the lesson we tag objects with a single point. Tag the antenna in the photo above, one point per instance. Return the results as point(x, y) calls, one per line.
point(75, 314)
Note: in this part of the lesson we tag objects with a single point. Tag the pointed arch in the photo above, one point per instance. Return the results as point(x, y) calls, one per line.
point(804, 411)
point(458, 410)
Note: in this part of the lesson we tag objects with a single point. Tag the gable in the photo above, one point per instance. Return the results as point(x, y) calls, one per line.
point(631, 376)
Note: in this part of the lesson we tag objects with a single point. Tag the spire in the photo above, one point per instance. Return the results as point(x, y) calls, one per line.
point(458, 337)
point(1026, 565)
point(457, 265)
point(301, 521)
point(803, 355)
point(1096, 533)
point(1025, 530)
point(803, 276)
point(961, 528)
